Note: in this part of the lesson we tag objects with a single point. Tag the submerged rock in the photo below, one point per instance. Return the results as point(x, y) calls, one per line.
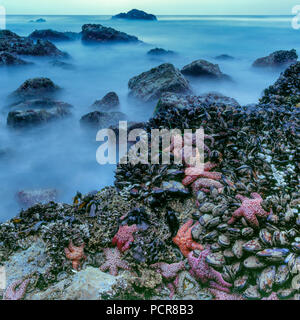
point(7, 59)
point(62, 65)
point(98, 34)
point(109, 101)
point(40, 104)
point(29, 118)
point(53, 35)
point(101, 120)
point(277, 59)
point(135, 14)
point(36, 88)
point(160, 52)
point(171, 100)
point(203, 68)
point(149, 85)
point(12, 43)
point(224, 57)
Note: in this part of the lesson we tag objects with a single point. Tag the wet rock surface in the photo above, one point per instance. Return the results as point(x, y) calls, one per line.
point(277, 59)
point(52, 35)
point(160, 52)
point(203, 68)
point(12, 43)
point(96, 33)
point(7, 59)
point(109, 101)
point(149, 85)
point(101, 120)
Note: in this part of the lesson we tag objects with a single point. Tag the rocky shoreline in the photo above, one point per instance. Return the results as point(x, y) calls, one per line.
point(231, 232)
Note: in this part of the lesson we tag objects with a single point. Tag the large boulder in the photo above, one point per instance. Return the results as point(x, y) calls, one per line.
point(7, 59)
point(286, 90)
point(277, 59)
point(12, 43)
point(135, 14)
point(97, 33)
point(203, 68)
point(149, 85)
point(53, 35)
point(171, 100)
point(109, 101)
point(36, 88)
point(101, 120)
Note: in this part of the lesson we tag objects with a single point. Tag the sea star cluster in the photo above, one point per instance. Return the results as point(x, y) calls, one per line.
point(205, 273)
point(124, 237)
point(113, 261)
point(16, 290)
point(250, 209)
point(184, 239)
point(75, 254)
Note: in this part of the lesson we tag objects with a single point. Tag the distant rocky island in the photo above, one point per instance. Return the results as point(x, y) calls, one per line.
point(135, 14)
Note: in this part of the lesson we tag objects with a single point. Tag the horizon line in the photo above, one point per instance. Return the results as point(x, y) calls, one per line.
point(169, 14)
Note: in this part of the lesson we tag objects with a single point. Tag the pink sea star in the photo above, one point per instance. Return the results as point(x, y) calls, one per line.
point(193, 173)
point(75, 254)
point(184, 239)
point(249, 209)
point(12, 293)
point(170, 273)
point(113, 262)
point(124, 237)
point(200, 270)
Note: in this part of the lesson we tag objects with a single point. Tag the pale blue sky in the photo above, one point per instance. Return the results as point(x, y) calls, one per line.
point(264, 7)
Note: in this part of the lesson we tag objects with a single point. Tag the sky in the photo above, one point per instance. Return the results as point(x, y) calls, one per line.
point(159, 7)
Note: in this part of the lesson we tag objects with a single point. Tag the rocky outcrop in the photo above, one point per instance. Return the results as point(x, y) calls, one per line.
point(7, 59)
point(35, 89)
point(135, 14)
point(96, 33)
point(53, 35)
point(149, 85)
point(12, 43)
point(40, 20)
point(160, 52)
point(286, 90)
point(62, 65)
point(101, 120)
point(40, 104)
point(20, 119)
point(109, 101)
point(203, 68)
point(277, 59)
point(171, 100)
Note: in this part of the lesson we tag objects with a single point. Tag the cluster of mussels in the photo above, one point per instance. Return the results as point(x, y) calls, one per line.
point(257, 151)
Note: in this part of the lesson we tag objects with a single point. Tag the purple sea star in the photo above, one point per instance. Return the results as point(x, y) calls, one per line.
point(201, 271)
point(113, 262)
point(12, 293)
point(249, 209)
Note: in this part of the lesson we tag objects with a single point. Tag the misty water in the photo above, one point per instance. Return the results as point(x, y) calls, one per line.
point(61, 155)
